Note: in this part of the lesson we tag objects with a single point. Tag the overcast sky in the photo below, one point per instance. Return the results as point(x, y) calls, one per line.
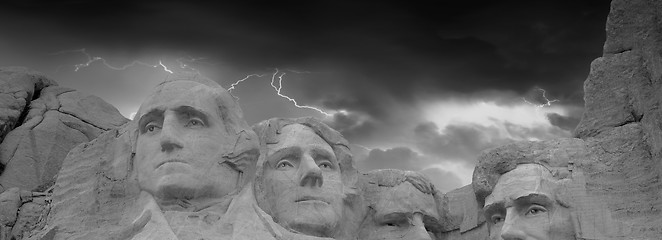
point(414, 85)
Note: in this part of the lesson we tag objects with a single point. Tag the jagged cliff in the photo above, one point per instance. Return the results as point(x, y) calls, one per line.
point(617, 146)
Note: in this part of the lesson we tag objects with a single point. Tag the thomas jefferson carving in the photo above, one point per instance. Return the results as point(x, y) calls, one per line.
point(306, 177)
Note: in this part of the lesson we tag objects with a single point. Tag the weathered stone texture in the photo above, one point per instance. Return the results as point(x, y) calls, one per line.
point(10, 202)
point(32, 216)
point(622, 123)
point(57, 121)
point(18, 86)
point(463, 217)
point(91, 193)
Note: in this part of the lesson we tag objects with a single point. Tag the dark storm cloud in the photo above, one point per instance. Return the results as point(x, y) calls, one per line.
point(405, 48)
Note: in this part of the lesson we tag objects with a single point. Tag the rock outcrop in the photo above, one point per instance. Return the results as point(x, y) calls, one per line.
point(622, 123)
point(40, 122)
point(18, 86)
point(54, 123)
point(618, 143)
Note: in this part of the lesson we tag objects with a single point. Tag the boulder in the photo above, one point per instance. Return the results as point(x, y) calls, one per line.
point(56, 122)
point(18, 86)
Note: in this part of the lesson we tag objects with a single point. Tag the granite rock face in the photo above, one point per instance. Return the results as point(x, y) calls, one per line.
point(18, 86)
point(622, 124)
point(39, 123)
point(54, 123)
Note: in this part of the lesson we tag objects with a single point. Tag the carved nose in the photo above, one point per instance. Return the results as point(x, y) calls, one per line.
point(511, 229)
point(169, 136)
point(170, 144)
point(311, 174)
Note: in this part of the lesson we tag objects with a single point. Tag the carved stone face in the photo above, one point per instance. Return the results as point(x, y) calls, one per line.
point(402, 212)
point(302, 182)
point(523, 206)
point(181, 142)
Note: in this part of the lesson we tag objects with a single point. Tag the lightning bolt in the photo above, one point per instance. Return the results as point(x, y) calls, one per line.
point(280, 87)
point(184, 63)
point(278, 74)
point(91, 59)
point(546, 103)
point(244, 79)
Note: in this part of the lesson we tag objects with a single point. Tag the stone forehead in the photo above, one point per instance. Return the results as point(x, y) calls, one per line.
point(297, 134)
point(525, 179)
point(182, 91)
point(559, 155)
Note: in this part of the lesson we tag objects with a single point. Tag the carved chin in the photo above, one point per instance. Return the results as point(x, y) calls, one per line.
point(314, 223)
point(179, 187)
point(317, 228)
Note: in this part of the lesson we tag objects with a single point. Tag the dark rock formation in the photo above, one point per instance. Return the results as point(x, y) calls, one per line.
point(54, 123)
point(39, 123)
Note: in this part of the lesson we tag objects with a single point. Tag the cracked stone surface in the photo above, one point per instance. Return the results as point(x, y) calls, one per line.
point(56, 122)
point(18, 86)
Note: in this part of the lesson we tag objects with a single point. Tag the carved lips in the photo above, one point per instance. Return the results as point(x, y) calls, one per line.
point(309, 198)
point(171, 161)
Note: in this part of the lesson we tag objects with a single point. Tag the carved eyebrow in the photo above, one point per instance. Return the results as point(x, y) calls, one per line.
point(192, 112)
point(493, 207)
point(534, 197)
point(283, 152)
point(152, 114)
point(390, 216)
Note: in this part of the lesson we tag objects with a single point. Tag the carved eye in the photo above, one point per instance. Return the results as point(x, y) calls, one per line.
point(497, 219)
point(325, 165)
point(284, 164)
point(194, 122)
point(535, 210)
point(151, 127)
point(391, 224)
